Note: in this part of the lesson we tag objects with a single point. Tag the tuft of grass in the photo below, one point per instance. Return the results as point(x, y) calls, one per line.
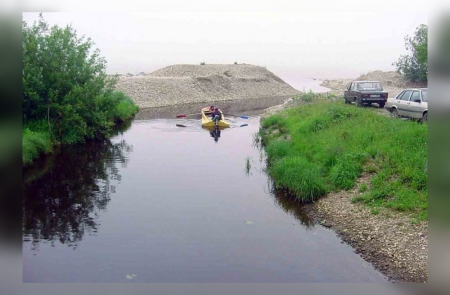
point(248, 165)
point(363, 188)
point(35, 143)
point(300, 177)
point(375, 211)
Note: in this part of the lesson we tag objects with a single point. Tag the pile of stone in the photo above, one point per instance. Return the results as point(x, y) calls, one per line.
point(181, 84)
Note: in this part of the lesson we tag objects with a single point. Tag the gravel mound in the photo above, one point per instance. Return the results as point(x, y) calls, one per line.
point(182, 84)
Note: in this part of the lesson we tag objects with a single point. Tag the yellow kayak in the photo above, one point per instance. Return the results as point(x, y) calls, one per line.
point(208, 122)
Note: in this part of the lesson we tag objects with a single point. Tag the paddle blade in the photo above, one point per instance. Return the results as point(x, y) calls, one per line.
point(181, 116)
point(243, 125)
point(244, 117)
point(179, 125)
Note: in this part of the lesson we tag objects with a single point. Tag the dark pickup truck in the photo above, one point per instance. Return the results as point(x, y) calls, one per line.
point(365, 92)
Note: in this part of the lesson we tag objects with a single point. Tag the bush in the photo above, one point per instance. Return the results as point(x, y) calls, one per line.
point(65, 85)
point(415, 65)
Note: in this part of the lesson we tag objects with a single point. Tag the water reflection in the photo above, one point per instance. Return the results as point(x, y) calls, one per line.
point(63, 193)
point(214, 132)
point(290, 205)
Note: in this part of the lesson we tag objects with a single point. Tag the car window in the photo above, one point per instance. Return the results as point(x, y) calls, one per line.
point(399, 95)
point(425, 95)
point(415, 96)
point(371, 86)
point(354, 86)
point(406, 95)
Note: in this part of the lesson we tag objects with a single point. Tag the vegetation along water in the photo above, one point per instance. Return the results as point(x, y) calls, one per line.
point(325, 146)
point(67, 96)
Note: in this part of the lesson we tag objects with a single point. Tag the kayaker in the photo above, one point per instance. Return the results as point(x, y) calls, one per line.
point(216, 115)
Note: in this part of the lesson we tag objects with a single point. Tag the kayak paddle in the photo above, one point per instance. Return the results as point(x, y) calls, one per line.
point(243, 117)
point(182, 115)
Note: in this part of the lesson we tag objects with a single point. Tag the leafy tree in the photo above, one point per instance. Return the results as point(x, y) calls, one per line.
point(415, 65)
point(65, 84)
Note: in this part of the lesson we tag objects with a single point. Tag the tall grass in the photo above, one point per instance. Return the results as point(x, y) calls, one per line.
point(125, 107)
point(35, 143)
point(332, 144)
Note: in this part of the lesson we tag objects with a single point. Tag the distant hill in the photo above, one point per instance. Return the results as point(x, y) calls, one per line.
point(178, 84)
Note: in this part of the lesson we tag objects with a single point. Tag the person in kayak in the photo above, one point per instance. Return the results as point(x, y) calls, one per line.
point(216, 115)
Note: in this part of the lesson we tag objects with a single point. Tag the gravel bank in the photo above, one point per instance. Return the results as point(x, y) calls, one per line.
point(186, 84)
point(388, 240)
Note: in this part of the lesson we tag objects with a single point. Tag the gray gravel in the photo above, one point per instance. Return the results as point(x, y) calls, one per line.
point(184, 84)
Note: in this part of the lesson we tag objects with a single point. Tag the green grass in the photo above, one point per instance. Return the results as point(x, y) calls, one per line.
point(248, 165)
point(332, 144)
point(125, 108)
point(35, 143)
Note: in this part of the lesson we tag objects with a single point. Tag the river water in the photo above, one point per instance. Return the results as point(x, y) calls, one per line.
point(161, 203)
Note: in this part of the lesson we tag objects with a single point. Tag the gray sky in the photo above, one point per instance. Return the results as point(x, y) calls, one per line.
point(323, 39)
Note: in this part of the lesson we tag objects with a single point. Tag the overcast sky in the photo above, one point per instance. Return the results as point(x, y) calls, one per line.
point(323, 39)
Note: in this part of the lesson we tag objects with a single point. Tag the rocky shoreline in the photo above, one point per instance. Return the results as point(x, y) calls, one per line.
point(388, 240)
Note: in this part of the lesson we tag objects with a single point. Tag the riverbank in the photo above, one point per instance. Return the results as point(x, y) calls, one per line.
point(395, 242)
point(388, 240)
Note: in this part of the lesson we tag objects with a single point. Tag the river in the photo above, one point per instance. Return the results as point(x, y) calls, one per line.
point(159, 203)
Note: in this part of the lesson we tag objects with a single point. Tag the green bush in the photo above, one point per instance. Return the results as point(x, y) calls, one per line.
point(65, 85)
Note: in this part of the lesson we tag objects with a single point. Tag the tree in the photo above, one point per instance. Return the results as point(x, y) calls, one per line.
point(414, 66)
point(64, 83)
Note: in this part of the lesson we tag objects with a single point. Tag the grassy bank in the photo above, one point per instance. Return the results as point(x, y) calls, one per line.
point(37, 139)
point(325, 146)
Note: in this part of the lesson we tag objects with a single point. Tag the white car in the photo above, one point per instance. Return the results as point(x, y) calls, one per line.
point(409, 103)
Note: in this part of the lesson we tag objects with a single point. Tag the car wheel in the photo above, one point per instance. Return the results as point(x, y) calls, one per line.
point(358, 103)
point(394, 113)
point(425, 118)
point(381, 104)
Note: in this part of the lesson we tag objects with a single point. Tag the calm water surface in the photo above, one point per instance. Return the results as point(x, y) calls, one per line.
point(161, 203)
